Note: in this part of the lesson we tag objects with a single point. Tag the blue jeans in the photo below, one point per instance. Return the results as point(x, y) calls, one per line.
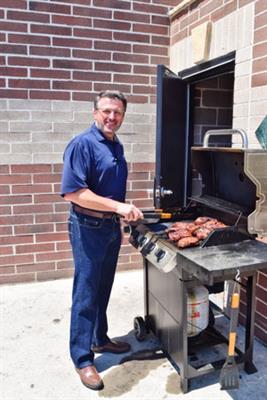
point(95, 245)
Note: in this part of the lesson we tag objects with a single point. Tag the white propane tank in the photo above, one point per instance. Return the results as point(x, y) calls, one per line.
point(197, 310)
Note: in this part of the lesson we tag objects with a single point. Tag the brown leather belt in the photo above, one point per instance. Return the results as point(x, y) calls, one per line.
point(95, 214)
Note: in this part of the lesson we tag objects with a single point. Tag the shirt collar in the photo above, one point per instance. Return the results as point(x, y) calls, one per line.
point(100, 137)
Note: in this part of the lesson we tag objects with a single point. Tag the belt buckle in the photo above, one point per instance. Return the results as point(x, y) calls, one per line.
point(115, 218)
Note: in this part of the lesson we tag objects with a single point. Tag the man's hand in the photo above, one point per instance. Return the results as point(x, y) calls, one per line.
point(129, 212)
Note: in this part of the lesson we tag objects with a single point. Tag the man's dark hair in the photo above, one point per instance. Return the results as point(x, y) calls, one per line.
point(111, 94)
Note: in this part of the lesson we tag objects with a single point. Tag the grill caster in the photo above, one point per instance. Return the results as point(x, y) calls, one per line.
point(140, 329)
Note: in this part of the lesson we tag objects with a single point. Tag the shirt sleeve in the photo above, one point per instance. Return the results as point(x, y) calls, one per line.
point(76, 168)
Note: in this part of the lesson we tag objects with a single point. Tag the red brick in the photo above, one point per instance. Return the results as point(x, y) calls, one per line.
point(261, 308)
point(9, 71)
point(131, 78)
point(13, 49)
point(17, 239)
point(48, 266)
point(137, 194)
point(260, 20)
point(262, 280)
point(50, 51)
point(92, 33)
point(61, 227)
point(4, 250)
point(138, 176)
point(161, 40)
point(45, 95)
point(69, 42)
point(112, 67)
point(5, 211)
point(131, 37)
point(27, 16)
point(71, 20)
point(121, 5)
point(260, 65)
point(35, 248)
point(112, 46)
point(50, 73)
point(5, 230)
point(18, 259)
point(51, 30)
point(243, 3)
point(112, 25)
point(260, 50)
point(259, 79)
point(143, 69)
point(142, 185)
point(91, 76)
point(150, 50)
point(59, 255)
point(51, 217)
point(69, 64)
point(71, 85)
point(16, 219)
point(9, 179)
point(91, 55)
point(29, 83)
point(29, 168)
point(223, 11)
point(33, 209)
point(260, 6)
point(51, 237)
point(21, 4)
point(66, 264)
point(7, 269)
point(25, 229)
point(16, 199)
point(17, 278)
point(83, 96)
point(137, 99)
point(33, 39)
point(133, 17)
point(52, 275)
point(148, 28)
point(47, 198)
point(261, 294)
point(150, 8)
point(92, 12)
point(13, 94)
point(4, 189)
point(46, 178)
point(98, 87)
point(57, 168)
point(131, 58)
point(13, 27)
point(62, 207)
point(209, 7)
point(63, 246)
point(49, 7)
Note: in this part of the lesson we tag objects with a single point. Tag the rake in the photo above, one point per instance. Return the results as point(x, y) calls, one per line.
point(229, 377)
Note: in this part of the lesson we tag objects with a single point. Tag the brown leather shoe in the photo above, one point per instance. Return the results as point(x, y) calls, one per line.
point(90, 377)
point(112, 347)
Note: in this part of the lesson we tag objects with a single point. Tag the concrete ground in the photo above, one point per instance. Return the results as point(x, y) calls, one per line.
point(35, 362)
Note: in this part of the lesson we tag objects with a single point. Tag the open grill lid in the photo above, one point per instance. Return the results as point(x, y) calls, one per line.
point(171, 141)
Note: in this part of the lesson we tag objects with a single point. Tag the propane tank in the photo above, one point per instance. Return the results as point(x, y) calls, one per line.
point(197, 310)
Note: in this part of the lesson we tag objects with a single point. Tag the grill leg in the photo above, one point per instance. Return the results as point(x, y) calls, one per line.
point(249, 367)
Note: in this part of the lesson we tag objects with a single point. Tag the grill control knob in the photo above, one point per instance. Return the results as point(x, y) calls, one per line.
point(150, 246)
point(160, 254)
point(141, 240)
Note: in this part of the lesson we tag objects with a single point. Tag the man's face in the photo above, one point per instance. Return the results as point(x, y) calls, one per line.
point(109, 116)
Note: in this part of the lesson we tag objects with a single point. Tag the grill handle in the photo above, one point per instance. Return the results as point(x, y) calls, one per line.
point(217, 132)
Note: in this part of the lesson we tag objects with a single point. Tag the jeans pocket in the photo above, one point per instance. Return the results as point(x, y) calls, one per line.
point(90, 222)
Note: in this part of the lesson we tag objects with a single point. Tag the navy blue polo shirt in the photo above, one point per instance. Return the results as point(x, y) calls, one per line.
point(94, 162)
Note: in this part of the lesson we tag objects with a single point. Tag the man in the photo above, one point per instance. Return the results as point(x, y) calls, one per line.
point(94, 181)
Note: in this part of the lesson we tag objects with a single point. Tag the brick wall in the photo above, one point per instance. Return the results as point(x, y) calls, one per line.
point(55, 56)
point(69, 50)
point(34, 243)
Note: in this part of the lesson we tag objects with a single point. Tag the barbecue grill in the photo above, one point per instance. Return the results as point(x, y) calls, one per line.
point(226, 183)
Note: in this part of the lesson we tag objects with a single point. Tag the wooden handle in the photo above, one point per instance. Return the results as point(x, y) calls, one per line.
point(235, 300)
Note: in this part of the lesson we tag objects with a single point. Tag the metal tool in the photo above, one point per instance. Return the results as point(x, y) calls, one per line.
point(229, 377)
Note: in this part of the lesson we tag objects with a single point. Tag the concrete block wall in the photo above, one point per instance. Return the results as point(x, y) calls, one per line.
point(239, 26)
